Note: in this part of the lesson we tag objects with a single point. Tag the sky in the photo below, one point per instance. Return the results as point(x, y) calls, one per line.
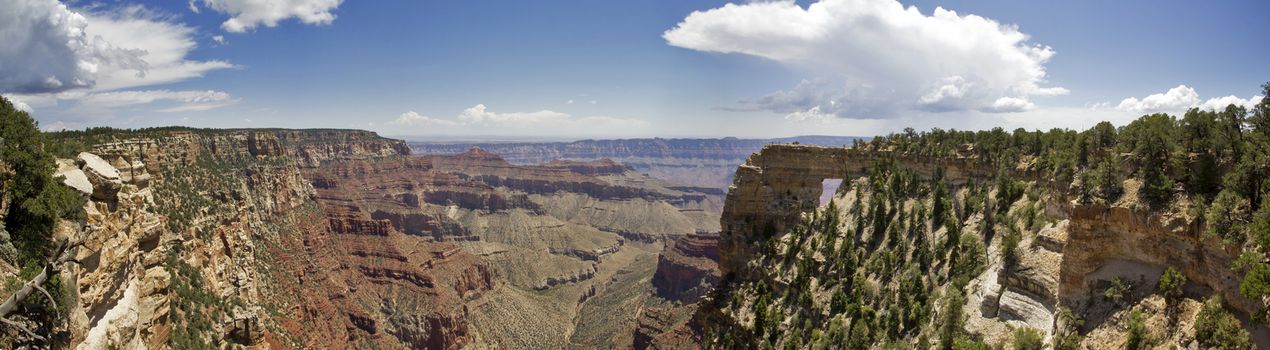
point(524, 70)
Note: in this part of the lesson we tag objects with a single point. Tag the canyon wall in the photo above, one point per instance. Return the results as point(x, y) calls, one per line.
point(1101, 235)
point(217, 237)
point(698, 162)
point(341, 239)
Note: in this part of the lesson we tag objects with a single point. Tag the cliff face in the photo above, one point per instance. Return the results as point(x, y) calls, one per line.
point(219, 237)
point(340, 239)
point(688, 268)
point(583, 233)
point(1103, 236)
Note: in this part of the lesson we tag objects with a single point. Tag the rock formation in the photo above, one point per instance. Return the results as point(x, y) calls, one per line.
point(1066, 263)
point(779, 183)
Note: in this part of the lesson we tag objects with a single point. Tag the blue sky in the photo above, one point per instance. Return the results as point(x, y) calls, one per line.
point(591, 69)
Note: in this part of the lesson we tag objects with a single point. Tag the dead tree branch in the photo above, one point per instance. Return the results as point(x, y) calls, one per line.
point(53, 265)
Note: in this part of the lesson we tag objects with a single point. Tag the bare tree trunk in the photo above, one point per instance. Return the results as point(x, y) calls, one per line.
point(65, 253)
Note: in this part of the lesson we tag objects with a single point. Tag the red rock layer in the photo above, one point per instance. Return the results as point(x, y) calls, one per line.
point(357, 281)
point(688, 268)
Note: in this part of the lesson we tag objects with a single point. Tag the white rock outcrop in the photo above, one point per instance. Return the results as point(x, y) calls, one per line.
point(104, 177)
point(73, 177)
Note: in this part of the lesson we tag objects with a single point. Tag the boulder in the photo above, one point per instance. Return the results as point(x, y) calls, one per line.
point(104, 177)
point(73, 177)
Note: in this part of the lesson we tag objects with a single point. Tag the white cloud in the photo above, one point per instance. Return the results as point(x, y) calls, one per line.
point(1220, 103)
point(21, 106)
point(1010, 105)
point(50, 48)
point(876, 58)
point(413, 118)
point(482, 119)
point(810, 115)
point(193, 6)
point(219, 39)
point(1178, 100)
point(165, 45)
point(247, 14)
point(129, 98)
point(569, 102)
point(480, 115)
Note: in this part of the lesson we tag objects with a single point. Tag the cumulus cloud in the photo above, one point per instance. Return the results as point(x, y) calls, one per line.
point(480, 116)
point(21, 106)
point(248, 14)
point(1219, 103)
point(1010, 105)
point(1179, 99)
point(876, 58)
point(48, 49)
point(97, 58)
point(810, 115)
point(51, 48)
point(413, 118)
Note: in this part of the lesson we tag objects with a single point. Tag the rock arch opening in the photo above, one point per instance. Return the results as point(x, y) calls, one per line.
point(828, 189)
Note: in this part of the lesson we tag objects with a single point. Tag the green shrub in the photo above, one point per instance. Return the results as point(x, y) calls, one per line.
point(1171, 282)
point(1216, 328)
point(1221, 217)
point(1028, 339)
point(1116, 292)
point(1137, 338)
point(1009, 246)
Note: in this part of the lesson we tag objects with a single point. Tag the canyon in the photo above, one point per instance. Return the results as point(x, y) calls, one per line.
point(696, 162)
point(343, 239)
